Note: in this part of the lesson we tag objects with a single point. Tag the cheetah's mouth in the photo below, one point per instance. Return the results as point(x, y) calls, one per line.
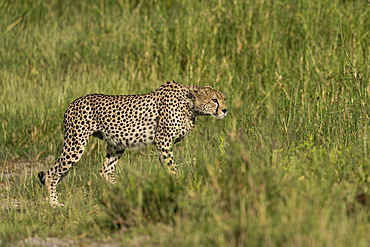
point(219, 116)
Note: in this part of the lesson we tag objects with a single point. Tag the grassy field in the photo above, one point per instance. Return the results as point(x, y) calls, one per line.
point(282, 169)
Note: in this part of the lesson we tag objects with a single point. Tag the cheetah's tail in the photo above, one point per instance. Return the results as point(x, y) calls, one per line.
point(42, 176)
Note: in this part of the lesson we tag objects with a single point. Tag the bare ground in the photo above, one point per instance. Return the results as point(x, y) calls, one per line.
point(56, 242)
point(11, 172)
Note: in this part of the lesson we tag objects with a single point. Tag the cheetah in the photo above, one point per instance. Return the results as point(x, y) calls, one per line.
point(162, 117)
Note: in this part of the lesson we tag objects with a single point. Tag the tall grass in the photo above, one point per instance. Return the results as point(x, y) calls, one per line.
point(280, 169)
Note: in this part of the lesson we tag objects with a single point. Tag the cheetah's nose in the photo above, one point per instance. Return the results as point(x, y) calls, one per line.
point(224, 111)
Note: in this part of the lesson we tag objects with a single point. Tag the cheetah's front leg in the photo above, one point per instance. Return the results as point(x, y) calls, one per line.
point(168, 159)
point(164, 141)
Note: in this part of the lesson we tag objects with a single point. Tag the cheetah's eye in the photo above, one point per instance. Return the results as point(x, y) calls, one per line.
point(215, 100)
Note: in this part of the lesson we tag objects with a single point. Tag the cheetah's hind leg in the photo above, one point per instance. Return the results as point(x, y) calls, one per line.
point(71, 153)
point(113, 155)
point(42, 177)
point(54, 203)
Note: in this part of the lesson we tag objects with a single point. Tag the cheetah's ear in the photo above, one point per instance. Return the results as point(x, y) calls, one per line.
point(193, 93)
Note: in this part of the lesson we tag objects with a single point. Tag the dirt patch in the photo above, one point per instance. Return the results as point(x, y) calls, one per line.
point(11, 172)
point(16, 168)
point(57, 242)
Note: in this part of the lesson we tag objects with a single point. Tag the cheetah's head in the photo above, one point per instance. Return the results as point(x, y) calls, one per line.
point(208, 101)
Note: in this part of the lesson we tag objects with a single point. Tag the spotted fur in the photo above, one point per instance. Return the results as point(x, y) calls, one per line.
point(162, 117)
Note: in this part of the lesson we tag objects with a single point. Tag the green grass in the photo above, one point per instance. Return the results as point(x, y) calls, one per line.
point(279, 170)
